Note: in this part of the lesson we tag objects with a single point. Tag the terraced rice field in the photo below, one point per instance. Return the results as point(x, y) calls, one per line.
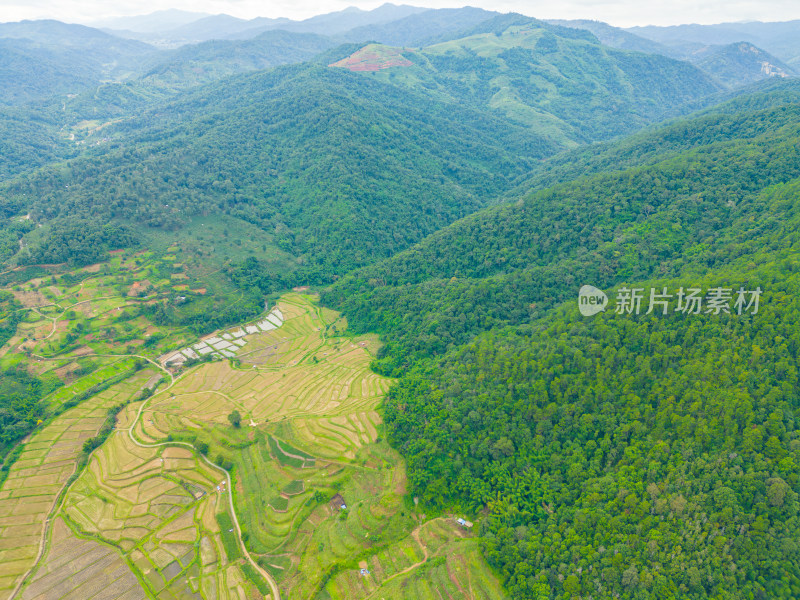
point(81, 569)
point(312, 401)
point(158, 505)
point(400, 557)
point(338, 436)
point(309, 432)
point(322, 386)
point(301, 333)
point(331, 536)
point(36, 479)
point(277, 497)
point(308, 443)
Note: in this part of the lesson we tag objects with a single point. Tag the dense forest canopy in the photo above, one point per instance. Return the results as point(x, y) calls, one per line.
point(641, 456)
point(652, 456)
point(295, 151)
point(509, 263)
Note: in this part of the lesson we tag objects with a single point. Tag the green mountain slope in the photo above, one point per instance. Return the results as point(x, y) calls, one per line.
point(553, 79)
point(70, 100)
point(193, 65)
point(647, 456)
point(28, 139)
point(20, 58)
point(343, 170)
point(42, 58)
point(617, 37)
point(508, 263)
point(731, 64)
point(739, 63)
point(732, 118)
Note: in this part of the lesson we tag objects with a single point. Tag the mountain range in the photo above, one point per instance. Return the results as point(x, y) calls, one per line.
point(73, 58)
point(780, 39)
point(428, 142)
point(198, 27)
point(449, 180)
point(733, 59)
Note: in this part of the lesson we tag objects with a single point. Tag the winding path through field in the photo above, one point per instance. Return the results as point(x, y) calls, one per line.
point(275, 592)
point(54, 507)
point(54, 320)
point(267, 577)
point(415, 535)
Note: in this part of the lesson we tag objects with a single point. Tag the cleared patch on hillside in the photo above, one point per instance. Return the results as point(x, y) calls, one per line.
point(373, 57)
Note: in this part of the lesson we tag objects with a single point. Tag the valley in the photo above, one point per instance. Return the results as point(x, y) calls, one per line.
point(289, 308)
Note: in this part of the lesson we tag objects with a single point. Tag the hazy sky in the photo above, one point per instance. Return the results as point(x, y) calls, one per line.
point(617, 12)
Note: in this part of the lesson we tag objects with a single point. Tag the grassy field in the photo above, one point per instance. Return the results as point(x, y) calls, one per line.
point(207, 242)
point(95, 310)
point(38, 476)
point(108, 308)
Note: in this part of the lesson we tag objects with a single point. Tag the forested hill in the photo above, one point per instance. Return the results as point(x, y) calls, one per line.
point(189, 66)
point(39, 59)
point(559, 81)
point(639, 456)
point(343, 168)
point(511, 262)
point(733, 64)
point(633, 457)
point(736, 117)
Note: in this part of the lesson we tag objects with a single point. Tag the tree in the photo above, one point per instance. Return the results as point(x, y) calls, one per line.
point(630, 576)
point(777, 489)
point(235, 418)
point(572, 584)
